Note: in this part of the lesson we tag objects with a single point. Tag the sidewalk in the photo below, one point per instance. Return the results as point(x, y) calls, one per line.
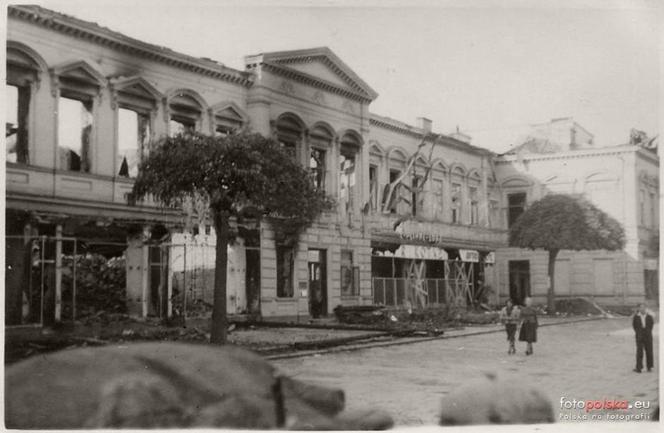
point(274, 340)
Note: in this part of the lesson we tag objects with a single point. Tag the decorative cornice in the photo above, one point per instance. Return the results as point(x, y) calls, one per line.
point(96, 34)
point(575, 154)
point(412, 131)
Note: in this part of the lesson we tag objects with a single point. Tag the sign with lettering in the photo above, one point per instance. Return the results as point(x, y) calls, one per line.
point(469, 256)
point(490, 257)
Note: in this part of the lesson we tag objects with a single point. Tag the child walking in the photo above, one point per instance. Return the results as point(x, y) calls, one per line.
point(509, 316)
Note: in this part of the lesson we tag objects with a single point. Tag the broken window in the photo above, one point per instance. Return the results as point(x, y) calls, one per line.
point(289, 133)
point(285, 265)
point(185, 114)
point(317, 168)
point(346, 180)
point(133, 137)
point(373, 187)
point(16, 124)
point(74, 134)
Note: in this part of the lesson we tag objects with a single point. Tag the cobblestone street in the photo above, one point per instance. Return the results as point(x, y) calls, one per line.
point(585, 361)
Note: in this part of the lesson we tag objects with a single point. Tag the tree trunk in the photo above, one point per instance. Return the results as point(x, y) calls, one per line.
point(219, 319)
point(550, 297)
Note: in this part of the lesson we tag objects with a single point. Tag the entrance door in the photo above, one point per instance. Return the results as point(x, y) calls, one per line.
point(317, 283)
point(519, 275)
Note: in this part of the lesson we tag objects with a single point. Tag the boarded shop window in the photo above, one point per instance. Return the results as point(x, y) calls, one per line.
point(285, 265)
point(349, 275)
point(74, 133)
point(516, 204)
point(133, 136)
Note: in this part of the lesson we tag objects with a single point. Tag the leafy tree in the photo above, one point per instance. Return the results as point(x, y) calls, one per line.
point(563, 222)
point(236, 174)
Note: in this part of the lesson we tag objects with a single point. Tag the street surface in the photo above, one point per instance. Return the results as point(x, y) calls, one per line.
point(590, 360)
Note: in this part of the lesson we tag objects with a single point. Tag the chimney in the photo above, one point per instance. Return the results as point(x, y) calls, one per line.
point(424, 124)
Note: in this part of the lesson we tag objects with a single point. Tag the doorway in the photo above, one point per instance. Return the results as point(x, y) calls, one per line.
point(317, 283)
point(519, 277)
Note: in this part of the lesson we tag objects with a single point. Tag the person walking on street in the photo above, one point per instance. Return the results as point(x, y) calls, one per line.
point(509, 316)
point(642, 322)
point(529, 325)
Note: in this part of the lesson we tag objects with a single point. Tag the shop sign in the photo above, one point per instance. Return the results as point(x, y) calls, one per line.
point(490, 257)
point(469, 256)
point(418, 252)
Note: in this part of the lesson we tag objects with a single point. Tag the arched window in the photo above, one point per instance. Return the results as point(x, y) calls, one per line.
point(349, 147)
point(289, 129)
point(24, 68)
point(185, 112)
point(457, 180)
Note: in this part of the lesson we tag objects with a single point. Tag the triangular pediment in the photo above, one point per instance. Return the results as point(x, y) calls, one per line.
point(80, 71)
point(136, 86)
point(229, 110)
point(321, 64)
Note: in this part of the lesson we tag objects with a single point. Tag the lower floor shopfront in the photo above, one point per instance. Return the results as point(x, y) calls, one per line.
point(59, 268)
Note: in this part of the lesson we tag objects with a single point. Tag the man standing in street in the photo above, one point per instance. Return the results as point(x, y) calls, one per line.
point(642, 324)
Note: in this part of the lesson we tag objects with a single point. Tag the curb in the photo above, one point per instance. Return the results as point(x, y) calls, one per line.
point(412, 340)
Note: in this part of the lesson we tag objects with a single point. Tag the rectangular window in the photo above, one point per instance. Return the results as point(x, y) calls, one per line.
point(474, 206)
point(438, 204)
point(16, 123)
point(494, 216)
point(394, 200)
point(133, 136)
point(456, 202)
point(285, 266)
point(346, 180)
point(317, 168)
point(348, 283)
point(516, 204)
point(74, 134)
point(373, 187)
point(415, 196)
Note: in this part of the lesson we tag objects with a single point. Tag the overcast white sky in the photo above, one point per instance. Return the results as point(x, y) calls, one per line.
point(490, 67)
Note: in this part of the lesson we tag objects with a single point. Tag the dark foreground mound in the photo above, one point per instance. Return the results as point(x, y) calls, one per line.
point(166, 385)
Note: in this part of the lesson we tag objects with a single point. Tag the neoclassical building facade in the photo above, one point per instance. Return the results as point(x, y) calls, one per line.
point(421, 217)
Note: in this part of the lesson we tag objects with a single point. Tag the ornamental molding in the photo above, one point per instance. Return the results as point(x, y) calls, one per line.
point(98, 35)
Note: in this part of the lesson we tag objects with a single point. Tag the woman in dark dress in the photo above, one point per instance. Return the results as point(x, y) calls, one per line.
point(529, 325)
point(509, 316)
